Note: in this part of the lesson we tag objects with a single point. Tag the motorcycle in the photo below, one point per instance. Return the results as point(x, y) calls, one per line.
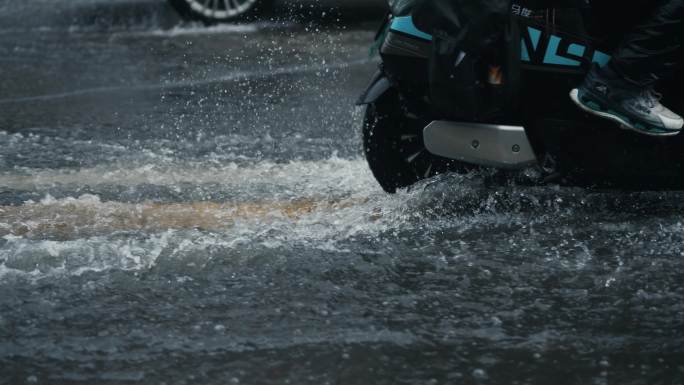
point(428, 112)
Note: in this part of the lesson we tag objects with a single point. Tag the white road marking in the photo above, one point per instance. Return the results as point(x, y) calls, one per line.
point(235, 76)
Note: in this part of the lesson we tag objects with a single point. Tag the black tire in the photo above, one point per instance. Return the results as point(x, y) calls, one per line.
point(394, 147)
point(219, 11)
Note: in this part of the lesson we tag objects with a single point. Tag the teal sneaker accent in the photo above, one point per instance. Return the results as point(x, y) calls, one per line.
point(636, 108)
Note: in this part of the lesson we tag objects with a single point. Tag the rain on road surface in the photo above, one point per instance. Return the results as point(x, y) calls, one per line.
point(190, 205)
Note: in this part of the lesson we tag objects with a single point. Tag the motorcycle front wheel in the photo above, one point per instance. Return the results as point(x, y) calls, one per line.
point(394, 148)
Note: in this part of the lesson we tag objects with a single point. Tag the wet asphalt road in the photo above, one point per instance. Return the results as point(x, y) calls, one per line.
point(190, 205)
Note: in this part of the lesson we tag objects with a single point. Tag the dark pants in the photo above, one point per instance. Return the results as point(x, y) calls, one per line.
point(652, 49)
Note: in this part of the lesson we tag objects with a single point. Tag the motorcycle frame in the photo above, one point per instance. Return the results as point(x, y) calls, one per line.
point(581, 149)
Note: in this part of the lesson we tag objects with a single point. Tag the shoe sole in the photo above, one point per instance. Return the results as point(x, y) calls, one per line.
point(623, 123)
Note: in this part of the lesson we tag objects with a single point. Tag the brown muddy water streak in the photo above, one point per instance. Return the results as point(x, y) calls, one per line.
point(191, 206)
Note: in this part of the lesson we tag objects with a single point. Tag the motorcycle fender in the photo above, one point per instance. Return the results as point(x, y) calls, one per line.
point(378, 86)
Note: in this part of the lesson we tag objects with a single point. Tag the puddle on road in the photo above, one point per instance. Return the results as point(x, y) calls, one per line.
point(259, 255)
point(322, 205)
point(458, 262)
point(317, 202)
point(305, 257)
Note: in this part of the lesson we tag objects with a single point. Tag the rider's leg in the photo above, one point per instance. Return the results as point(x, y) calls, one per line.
point(651, 51)
point(623, 91)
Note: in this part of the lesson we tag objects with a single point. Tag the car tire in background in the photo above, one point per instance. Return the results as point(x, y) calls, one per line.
point(218, 11)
